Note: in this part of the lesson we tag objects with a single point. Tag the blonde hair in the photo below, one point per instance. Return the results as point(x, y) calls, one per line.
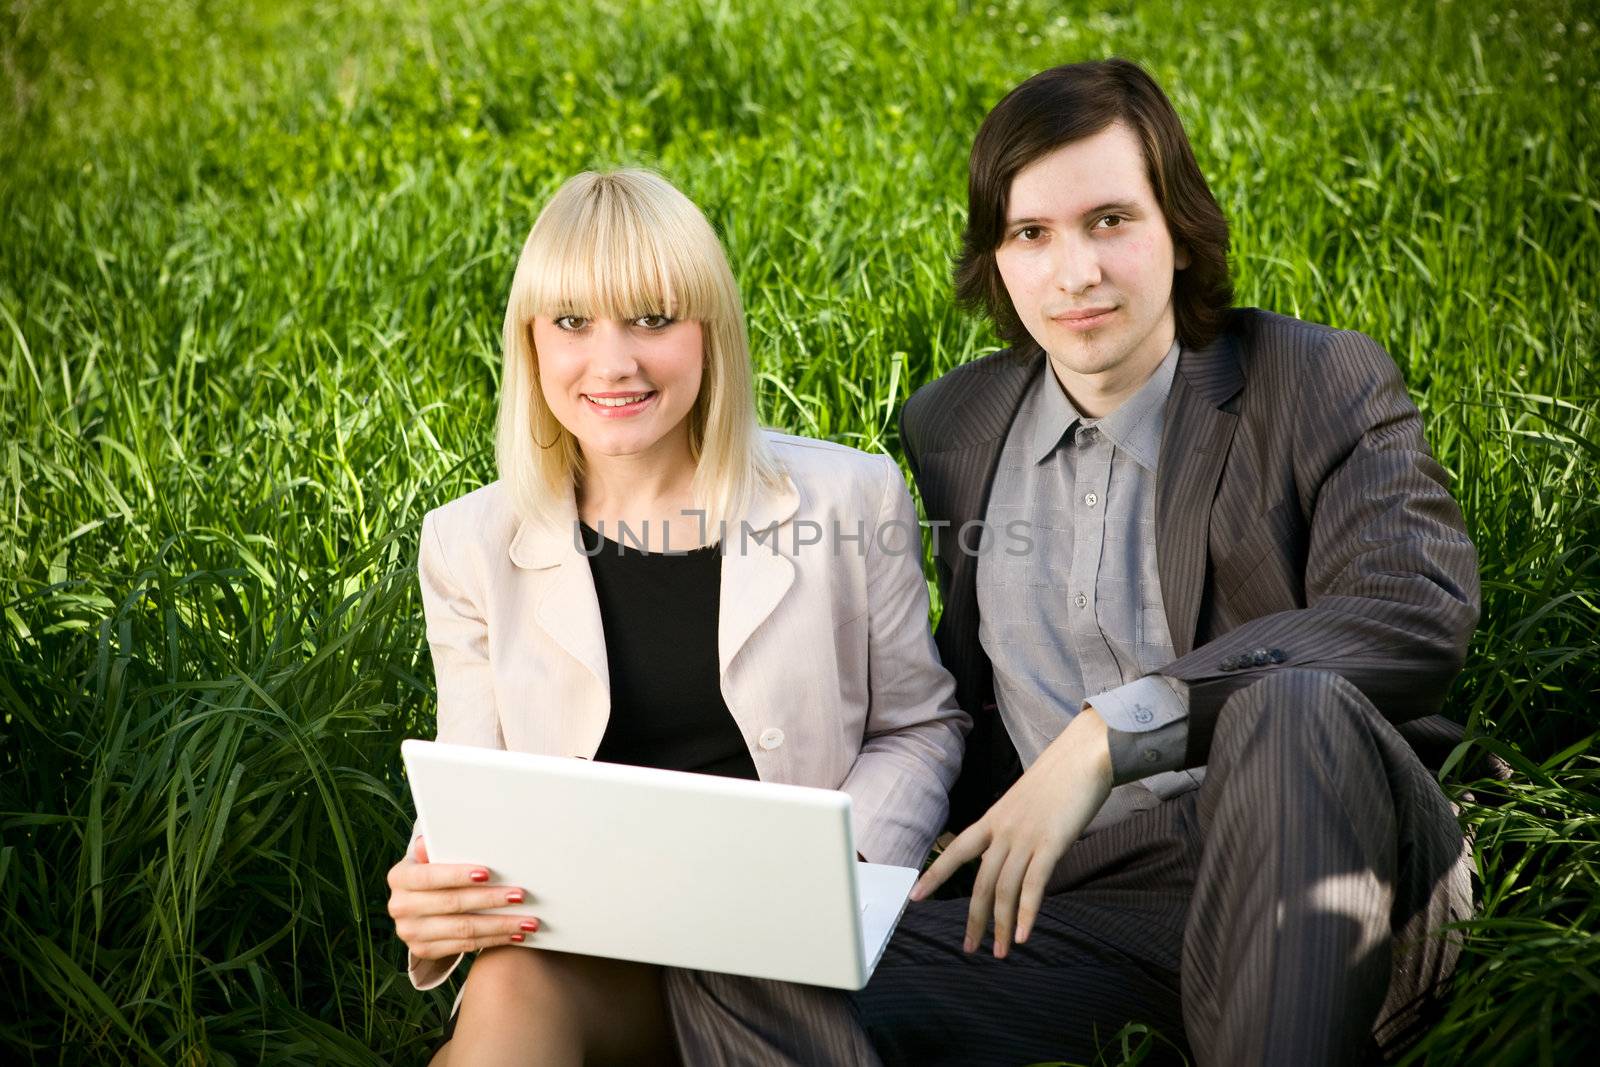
point(618, 245)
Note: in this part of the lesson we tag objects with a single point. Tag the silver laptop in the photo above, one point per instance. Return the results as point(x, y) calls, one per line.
point(666, 867)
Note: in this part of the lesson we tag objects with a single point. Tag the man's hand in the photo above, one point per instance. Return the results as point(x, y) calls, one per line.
point(1026, 833)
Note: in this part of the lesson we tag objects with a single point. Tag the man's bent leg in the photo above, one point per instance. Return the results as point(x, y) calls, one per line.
point(723, 1020)
point(1103, 952)
point(1330, 859)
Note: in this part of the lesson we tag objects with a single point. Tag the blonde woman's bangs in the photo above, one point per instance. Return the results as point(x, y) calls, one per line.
point(608, 253)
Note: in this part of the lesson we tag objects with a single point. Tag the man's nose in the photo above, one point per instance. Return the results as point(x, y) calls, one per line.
point(1077, 265)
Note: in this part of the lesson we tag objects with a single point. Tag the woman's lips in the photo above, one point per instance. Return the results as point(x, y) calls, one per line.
point(619, 405)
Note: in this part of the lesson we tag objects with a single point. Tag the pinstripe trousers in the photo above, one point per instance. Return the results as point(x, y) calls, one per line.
point(1289, 911)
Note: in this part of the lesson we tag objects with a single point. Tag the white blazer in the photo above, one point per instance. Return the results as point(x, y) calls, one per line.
point(826, 660)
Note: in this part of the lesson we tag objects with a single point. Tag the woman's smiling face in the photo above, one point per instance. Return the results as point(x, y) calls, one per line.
point(621, 387)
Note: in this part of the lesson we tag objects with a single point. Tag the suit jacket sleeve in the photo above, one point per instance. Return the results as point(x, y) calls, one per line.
point(1391, 579)
point(900, 781)
point(458, 639)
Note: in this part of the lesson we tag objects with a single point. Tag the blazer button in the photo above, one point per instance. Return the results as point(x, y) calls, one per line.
point(1277, 655)
point(770, 738)
point(1229, 664)
point(1260, 657)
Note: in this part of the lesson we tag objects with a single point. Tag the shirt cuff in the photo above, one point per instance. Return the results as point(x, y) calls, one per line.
point(1147, 724)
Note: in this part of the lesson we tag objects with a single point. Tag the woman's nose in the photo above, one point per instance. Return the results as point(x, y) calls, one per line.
point(613, 356)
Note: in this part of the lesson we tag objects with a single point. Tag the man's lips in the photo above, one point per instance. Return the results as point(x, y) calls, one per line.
point(1083, 318)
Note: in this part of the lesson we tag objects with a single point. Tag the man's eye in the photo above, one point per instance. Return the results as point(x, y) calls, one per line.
point(571, 322)
point(1109, 222)
point(653, 322)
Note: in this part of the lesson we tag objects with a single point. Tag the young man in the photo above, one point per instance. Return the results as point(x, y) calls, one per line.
point(1200, 691)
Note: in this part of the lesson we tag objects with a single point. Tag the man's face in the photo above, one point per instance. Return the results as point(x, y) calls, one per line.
point(1088, 261)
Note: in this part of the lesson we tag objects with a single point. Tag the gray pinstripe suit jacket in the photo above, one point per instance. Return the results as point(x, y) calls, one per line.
point(1298, 509)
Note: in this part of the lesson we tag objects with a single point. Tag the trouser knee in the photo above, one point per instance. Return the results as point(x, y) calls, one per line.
point(1294, 714)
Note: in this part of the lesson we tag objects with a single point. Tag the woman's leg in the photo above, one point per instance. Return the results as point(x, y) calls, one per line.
point(527, 1006)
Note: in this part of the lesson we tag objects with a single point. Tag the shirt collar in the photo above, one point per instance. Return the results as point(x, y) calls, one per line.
point(1135, 426)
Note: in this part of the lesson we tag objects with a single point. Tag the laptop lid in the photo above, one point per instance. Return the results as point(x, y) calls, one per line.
point(664, 867)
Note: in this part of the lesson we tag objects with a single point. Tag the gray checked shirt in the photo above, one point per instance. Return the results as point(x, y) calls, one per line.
point(1076, 618)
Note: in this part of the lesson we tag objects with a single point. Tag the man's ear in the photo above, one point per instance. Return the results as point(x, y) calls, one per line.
point(1180, 257)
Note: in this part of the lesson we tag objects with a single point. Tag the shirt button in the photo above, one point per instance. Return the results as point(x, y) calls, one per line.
point(770, 738)
point(1151, 755)
point(1142, 713)
point(1081, 600)
point(1091, 499)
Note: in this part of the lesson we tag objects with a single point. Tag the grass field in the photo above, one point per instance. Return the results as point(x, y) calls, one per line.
point(252, 268)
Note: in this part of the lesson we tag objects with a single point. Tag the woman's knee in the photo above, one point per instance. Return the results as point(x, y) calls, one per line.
point(510, 978)
point(586, 996)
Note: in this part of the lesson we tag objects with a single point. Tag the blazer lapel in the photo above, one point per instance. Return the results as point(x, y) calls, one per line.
point(1194, 447)
point(960, 473)
point(567, 607)
point(756, 574)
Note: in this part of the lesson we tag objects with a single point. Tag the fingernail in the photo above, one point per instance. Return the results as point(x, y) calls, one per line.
point(529, 925)
point(516, 937)
point(479, 875)
point(967, 945)
point(515, 896)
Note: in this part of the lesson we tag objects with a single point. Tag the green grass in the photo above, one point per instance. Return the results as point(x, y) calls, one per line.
point(252, 268)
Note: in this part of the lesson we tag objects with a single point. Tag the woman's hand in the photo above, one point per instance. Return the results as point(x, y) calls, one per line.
point(431, 904)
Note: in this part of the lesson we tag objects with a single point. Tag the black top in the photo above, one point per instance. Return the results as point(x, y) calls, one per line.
point(659, 614)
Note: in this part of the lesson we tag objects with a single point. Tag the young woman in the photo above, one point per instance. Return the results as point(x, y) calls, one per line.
point(656, 580)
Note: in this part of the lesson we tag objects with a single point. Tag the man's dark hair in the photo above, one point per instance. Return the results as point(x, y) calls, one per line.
point(1067, 104)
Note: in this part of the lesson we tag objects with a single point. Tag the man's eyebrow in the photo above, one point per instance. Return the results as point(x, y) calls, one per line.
point(1126, 207)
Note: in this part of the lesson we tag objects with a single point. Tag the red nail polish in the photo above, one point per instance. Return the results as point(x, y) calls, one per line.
point(529, 925)
point(516, 937)
point(479, 875)
point(515, 896)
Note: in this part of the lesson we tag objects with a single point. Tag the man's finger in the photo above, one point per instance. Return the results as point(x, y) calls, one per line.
point(1007, 887)
point(973, 840)
point(1032, 899)
point(983, 897)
